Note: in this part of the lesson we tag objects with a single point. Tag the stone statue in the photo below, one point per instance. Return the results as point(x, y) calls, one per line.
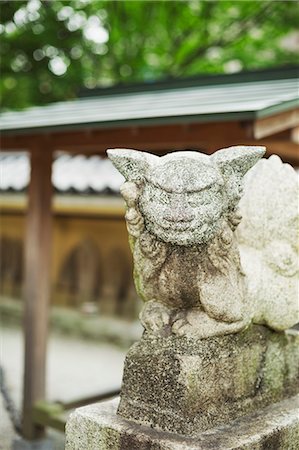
point(268, 237)
point(211, 370)
point(182, 212)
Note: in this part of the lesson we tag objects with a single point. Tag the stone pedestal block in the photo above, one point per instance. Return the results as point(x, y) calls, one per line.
point(227, 393)
point(187, 386)
point(98, 427)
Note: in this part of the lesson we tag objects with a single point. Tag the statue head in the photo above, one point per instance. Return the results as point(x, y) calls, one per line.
point(184, 196)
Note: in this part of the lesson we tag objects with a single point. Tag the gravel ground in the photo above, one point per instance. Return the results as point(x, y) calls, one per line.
point(76, 368)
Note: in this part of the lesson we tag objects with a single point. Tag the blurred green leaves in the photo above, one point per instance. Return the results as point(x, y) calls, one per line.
point(51, 49)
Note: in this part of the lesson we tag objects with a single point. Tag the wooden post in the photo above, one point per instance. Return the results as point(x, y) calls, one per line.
point(37, 286)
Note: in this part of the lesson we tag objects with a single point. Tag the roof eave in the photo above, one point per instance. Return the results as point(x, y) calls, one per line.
point(277, 108)
point(161, 120)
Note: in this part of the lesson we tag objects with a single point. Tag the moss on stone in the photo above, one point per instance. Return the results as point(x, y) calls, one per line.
point(272, 428)
point(188, 385)
point(110, 439)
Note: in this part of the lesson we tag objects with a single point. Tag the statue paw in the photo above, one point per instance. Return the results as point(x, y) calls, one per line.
point(180, 325)
point(195, 323)
point(155, 317)
point(181, 328)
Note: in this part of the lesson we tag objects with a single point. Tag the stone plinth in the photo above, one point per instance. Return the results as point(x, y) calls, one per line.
point(98, 427)
point(187, 386)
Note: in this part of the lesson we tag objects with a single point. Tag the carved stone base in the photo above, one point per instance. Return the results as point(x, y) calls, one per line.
point(187, 386)
point(98, 427)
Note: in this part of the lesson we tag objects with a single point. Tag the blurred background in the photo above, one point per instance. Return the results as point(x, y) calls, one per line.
point(51, 50)
point(81, 76)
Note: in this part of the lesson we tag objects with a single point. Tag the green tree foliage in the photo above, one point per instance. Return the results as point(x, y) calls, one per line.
point(51, 49)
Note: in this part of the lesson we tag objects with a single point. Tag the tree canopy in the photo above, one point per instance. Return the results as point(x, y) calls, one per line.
point(51, 49)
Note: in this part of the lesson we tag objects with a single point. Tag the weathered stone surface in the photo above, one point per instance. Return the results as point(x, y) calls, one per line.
point(187, 386)
point(97, 427)
point(269, 242)
point(181, 216)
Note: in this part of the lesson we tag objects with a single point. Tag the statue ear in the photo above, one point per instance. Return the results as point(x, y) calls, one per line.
point(234, 162)
point(132, 164)
point(237, 160)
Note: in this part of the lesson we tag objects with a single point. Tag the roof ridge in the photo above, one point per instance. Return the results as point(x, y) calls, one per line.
point(277, 73)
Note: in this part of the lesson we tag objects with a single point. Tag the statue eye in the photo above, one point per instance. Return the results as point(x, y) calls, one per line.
point(157, 195)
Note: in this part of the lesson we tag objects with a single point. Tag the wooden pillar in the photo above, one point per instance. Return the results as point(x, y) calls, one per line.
point(37, 286)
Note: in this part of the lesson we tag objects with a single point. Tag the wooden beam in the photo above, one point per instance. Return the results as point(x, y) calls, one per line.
point(295, 135)
point(206, 137)
point(37, 287)
point(288, 151)
point(50, 415)
point(268, 126)
point(99, 139)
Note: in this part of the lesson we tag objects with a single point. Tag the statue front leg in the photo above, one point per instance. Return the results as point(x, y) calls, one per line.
point(156, 318)
point(195, 323)
point(222, 297)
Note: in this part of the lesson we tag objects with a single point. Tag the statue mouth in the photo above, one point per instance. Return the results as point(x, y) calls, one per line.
point(179, 226)
point(182, 226)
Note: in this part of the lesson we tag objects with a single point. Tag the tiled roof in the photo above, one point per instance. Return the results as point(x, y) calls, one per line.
point(71, 174)
point(229, 100)
point(78, 174)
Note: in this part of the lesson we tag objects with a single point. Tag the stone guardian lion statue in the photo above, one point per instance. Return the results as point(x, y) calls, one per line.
point(182, 214)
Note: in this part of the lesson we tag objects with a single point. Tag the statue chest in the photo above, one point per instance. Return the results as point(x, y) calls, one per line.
point(178, 278)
